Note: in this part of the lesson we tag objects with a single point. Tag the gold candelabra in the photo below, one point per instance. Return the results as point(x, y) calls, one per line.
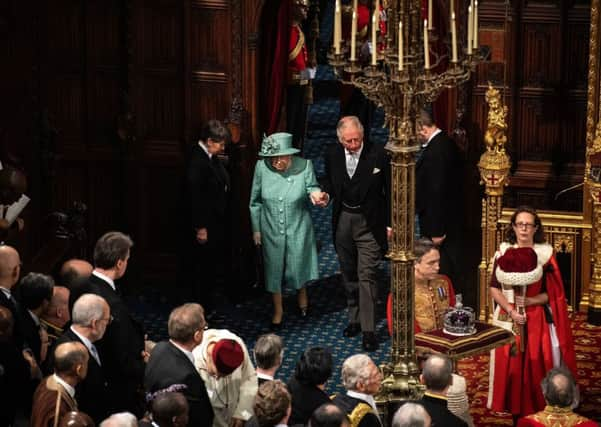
point(407, 70)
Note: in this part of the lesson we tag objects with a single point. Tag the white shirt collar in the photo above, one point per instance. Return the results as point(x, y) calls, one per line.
point(436, 132)
point(66, 386)
point(83, 339)
point(347, 153)
point(264, 376)
point(35, 318)
point(105, 278)
point(188, 353)
point(6, 292)
point(368, 398)
point(204, 147)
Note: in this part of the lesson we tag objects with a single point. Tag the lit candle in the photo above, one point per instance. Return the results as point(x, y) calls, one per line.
point(426, 47)
point(470, 24)
point(374, 40)
point(337, 28)
point(475, 24)
point(400, 45)
point(429, 14)
point(354, 36)
point(453, 37)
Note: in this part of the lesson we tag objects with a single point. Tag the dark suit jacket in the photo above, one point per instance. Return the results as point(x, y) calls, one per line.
point(437, 192)
point(374, 188)
point(121, 351)
point(31, 334)
point(168, 365)
point(348, 404)
point(305, 400)
point(440, 414)
point(92, 393)
point(18, 338)
point(207, 188)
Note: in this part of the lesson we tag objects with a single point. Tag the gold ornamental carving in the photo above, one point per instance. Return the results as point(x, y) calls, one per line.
point(494, 164)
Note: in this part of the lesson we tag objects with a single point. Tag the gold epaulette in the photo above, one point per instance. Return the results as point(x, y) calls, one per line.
point(361, 410)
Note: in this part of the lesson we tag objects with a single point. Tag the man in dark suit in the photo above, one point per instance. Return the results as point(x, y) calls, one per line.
point(437, 377)
point(122, 349)
point(206, 197)
point(438, 178)
point(358, 179)
point(362, 380)
point(268, 354)
point(91, 316)
point(171, 362)
point(74, 275)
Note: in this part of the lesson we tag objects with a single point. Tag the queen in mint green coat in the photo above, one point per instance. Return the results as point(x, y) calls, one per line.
point(283, 188)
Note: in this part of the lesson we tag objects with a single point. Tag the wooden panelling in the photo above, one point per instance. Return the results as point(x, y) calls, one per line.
point(161, 39)
point(210, 32)
point(540, 55)
point(104, 99)
point(209, 100)
point(65, 103)
point(161, 109)
point(105, 35)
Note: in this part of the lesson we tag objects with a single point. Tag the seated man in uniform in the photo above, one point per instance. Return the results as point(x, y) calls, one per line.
point(434, 292)
point(362, 380)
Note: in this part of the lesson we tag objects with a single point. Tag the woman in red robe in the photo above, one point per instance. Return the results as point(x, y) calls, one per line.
point(516, 371)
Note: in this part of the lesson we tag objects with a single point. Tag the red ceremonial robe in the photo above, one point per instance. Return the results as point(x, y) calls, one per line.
point(515, 376)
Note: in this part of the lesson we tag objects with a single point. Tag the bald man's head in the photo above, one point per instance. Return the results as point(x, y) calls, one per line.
point(71, 359)
point(10, 266)
point(74, 272)
point(57, 312)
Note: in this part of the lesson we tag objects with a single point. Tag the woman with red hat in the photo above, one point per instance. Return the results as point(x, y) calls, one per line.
point(529, 299)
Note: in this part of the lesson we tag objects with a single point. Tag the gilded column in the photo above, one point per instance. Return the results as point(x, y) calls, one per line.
point(494, 167)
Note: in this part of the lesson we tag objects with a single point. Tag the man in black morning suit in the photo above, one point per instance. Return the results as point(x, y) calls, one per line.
point(358, 180)
point(171, 362)
point(122, 348)
point(207, 189)
point(90, 317)
point(438, 202)
point(437, 376)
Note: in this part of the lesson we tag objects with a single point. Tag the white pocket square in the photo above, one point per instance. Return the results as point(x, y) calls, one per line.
point(376, 170)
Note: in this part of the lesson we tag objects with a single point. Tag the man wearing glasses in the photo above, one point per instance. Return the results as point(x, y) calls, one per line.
point(90, 317)
point(357, 179)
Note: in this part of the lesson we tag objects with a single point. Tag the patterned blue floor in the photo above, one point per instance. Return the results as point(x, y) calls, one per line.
point(327, 316)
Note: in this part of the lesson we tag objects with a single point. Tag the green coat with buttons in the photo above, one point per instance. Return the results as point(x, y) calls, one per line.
point(279, 210)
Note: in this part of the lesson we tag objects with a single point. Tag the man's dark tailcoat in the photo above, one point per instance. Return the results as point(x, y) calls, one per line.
point(438, 202)
point(92, 393)
point(373, 173)
point(120, 351)
point(168, 365)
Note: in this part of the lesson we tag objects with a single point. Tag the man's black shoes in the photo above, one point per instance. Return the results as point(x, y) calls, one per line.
point(352, 330)
point(370, 342)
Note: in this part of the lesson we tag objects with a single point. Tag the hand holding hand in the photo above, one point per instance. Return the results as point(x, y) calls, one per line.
point(518, 318)
point(257, 238)
point(202, 236)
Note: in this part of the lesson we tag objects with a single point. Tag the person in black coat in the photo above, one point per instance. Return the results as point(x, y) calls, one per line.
point(307, 386)
point(91, 317)
point(171, 362)
point(362, 380)
point(438, 177)
point(206, 196)
point(122, 349)
point(437, 376)
point(357, 178)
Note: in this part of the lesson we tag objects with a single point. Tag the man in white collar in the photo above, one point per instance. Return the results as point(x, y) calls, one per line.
point(268, 352)
point(362, 380)
point(55, 396)
point(122, 349)
point(206, 199)
point(172, 362)
point(438, 199)
point(91, 316)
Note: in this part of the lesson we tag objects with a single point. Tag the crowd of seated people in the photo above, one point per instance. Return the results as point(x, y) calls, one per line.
point(91, 364)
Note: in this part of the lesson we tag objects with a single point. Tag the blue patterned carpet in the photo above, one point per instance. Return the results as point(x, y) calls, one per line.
point(327, 317)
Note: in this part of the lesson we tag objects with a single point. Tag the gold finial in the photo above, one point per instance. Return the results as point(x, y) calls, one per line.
point(495, 136)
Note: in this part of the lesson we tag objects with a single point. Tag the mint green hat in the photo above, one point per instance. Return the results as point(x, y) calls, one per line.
point(277, 144)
